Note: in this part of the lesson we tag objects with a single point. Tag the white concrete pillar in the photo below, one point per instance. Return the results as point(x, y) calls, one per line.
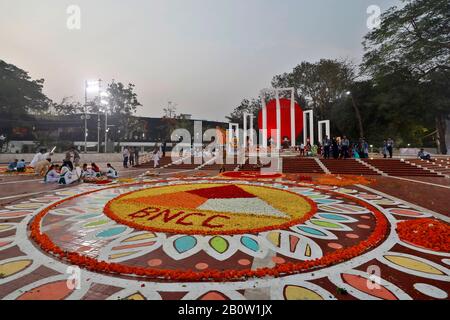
point(293, 137)
point(278, 112)
point(264, 120)
point(309, 114)
point(325, 123)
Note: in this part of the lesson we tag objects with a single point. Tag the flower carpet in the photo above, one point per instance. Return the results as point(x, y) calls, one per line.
point(221, 238)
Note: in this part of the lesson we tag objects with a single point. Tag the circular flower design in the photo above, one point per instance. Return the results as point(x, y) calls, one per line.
point(210, 208)
point(300, 245)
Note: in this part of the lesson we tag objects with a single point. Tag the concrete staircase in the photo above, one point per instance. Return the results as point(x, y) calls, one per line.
point(399, 168)
point(348, 166)
point(216, 166)
point(439, 166)
point(301, 165)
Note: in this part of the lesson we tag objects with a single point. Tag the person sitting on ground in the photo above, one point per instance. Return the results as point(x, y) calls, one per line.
point(66, 173)
point(12, 166)
point(42, 167)
point(21, 166)
point(222, 168)
point(111, 172)
point(52, 175)
point(87, 173)
point(96, 169)
point(424, 155)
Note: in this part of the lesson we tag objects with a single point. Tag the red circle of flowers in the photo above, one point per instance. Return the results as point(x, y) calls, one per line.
point(427, 233)
point(95, 265)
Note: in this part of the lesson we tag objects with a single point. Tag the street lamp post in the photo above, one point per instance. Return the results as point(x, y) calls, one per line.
point(105, 103)
point(91, 86)
point(98, 115)
point(85, 117)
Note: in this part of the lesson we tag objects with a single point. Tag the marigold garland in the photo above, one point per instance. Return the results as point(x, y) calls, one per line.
point(250, 175)
point(94, 265)
point(343, 180)
point(28, 172)
point(428, 233)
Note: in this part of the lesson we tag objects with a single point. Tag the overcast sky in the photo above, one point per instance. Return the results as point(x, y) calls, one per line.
point(204, 55)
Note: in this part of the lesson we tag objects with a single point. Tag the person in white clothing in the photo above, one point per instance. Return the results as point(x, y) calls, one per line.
point(126, 156)
point(41, 155)
point(111, 172)
point(66, 175)
point(52, 175)
point(156, 157)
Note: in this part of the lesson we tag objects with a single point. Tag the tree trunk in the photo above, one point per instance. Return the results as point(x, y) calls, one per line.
point(441, 127)
point(358, 118)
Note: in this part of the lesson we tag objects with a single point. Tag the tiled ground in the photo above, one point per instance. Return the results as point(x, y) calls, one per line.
point(344, 218)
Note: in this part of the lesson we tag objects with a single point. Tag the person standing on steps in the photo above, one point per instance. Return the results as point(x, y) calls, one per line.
point(326, 147)
point(390, 147)
point(344, 147)
point(384, 149)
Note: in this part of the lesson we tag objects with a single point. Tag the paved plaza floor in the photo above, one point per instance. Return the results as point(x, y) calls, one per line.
point(199, 236)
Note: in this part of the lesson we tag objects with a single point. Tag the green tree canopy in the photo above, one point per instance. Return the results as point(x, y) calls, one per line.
point(414, 41)
point(19, 94)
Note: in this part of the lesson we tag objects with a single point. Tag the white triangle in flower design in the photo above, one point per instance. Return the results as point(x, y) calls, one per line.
point(253, 206)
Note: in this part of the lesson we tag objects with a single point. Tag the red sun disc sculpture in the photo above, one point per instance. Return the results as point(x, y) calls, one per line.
point(285, 118)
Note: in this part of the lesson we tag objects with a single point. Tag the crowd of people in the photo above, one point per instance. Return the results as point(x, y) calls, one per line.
point(131, 155)
point(69, 172)
point(343, 148)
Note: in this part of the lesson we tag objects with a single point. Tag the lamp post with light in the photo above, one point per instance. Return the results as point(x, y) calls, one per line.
point(91, 87)
point(105, 103)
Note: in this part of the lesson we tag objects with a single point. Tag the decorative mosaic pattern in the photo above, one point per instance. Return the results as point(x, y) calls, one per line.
point(346, 219)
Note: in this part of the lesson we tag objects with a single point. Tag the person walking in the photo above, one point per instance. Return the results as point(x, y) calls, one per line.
point(390, 146)
point(126, 155)
point(326, 147)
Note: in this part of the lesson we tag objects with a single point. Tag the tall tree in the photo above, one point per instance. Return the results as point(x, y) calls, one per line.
point(67, 106)
point(123, 103)
point(246, 106)
point(19, 94)
point(320, 84)
point(415, 38)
